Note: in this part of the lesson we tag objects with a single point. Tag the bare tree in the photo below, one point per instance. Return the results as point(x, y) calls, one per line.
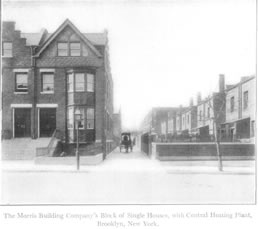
point(218, 112)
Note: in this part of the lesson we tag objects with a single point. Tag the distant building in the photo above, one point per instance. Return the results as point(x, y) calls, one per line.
point(47, 78)
point(240, 110)
point(189, 120)
point(211, 110)
point(157, 122)
point(117, 127)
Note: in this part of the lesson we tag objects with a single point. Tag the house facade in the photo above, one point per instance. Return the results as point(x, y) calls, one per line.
point(189, 121)
point(159, 122)
point(211, 113)
point(240, 110)
point(50, 79)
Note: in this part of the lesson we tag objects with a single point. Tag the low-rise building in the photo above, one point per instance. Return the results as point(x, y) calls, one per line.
point(240, 110)
point(211, 113)
point(48, 79)
point(158, 123)
point(189, 120)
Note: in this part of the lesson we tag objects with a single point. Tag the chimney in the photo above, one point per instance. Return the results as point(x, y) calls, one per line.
point(221, 83)
point(199, 97)
point(191, 102)
point(8, 26)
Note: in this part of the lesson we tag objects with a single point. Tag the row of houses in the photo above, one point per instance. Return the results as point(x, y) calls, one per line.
point(48, 79)
point(230, 112)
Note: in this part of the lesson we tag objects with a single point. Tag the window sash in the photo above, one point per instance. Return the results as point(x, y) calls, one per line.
point(21, 82)
point(79, 82)
point(90, 82)
point(232, 104)
point(7, 49)
point(75, 49)
point(90, 118)
point(62, 49)
point(47, 82)
point(245, 99)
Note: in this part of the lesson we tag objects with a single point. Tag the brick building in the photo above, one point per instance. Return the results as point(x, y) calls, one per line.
point(157, 122)
point(240, 110)
point(117, 126)
point(210, 111)
point(189, 120)
point(48, 77)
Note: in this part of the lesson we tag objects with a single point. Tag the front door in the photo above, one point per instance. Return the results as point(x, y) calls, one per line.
point(22, 122)
point(47, 121)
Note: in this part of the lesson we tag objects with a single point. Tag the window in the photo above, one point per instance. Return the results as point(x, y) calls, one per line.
point(79, 82)
point(208, 112)
point(75, 49)
point(70, 119)
point(81, 122)
point(245, 99)
point(21, 82)
point(90, 118)
point(90, 82)
point(47, 82)
point(232, 103)
point(62, 49)
point(70, 82)
point(7, 49)
point(200, 115)
point(252, 128)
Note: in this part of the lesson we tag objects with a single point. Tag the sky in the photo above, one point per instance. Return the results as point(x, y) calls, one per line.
point(161, 52)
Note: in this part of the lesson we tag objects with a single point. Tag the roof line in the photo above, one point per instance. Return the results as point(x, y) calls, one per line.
point(60, 28)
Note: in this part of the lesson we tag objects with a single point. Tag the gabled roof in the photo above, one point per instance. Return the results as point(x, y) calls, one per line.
point(67, 22)
point(33, 39)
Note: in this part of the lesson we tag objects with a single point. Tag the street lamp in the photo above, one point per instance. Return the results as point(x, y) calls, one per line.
point(78, 119)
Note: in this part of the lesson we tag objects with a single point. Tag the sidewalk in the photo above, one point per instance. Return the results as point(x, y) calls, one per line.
point(209, 167)
point(136, 161)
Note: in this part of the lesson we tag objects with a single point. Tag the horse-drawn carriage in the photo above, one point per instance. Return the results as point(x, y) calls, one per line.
point(126, 142)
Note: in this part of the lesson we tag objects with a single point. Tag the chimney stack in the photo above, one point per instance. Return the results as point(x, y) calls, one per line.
point(221, 83)
point(199, 97)
point(191, 102)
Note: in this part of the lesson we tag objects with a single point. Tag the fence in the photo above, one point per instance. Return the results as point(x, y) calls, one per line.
point(203, 151)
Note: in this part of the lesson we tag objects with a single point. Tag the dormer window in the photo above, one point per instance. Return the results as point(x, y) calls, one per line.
point(7, 49)
point(62, 49)
point(75, 49)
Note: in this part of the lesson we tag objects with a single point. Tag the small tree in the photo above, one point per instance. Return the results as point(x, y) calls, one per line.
point(216, 103)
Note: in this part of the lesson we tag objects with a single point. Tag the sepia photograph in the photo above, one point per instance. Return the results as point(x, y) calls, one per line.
point(128, 103)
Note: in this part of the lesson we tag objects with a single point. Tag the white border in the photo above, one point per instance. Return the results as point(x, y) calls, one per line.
point(21, 70)
point(46, 105)
point(21, 105)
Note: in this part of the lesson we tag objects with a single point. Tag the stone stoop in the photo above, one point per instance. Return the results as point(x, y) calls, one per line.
point(21, 148)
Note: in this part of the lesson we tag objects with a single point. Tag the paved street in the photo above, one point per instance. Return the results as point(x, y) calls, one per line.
point(129, 179)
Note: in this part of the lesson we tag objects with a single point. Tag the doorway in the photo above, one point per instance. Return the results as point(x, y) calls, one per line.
point(47, 119)
point(22, 123)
